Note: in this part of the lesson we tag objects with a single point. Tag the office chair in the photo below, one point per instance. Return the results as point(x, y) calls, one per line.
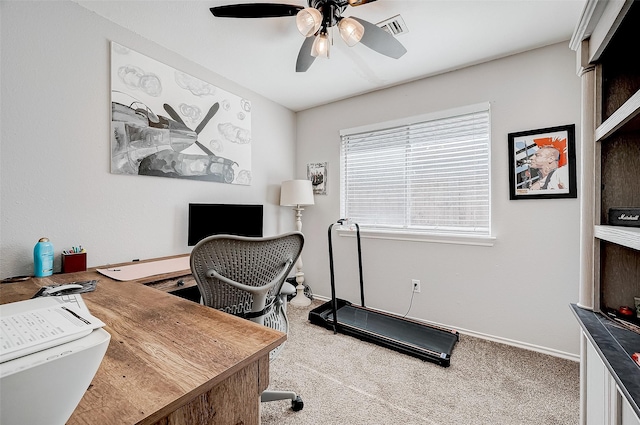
point(244, 276)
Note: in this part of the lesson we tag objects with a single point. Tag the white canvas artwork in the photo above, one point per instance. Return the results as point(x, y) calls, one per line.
point(167, 123)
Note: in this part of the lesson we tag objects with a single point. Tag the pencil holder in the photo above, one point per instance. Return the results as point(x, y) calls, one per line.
point(76, 262)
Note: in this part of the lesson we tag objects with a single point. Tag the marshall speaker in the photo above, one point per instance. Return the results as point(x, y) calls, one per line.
point(629, 217)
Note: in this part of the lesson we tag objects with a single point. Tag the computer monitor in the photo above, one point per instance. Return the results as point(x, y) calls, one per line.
point(230, 219)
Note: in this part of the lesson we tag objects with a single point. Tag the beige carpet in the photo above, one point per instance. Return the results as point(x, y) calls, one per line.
point(343, 380)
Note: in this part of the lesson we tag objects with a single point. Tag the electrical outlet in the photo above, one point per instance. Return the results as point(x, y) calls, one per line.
point(415, 284)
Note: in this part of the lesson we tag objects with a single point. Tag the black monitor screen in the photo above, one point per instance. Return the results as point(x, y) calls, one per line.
point(229, 219)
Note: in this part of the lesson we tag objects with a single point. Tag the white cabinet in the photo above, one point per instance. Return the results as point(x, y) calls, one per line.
point(605, 403)
point(627, 416)
point(595, 391)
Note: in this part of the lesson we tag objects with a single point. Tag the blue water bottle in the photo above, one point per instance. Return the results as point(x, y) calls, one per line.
point(43, 258)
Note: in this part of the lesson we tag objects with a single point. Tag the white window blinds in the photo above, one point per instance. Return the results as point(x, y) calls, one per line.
point(422, 176)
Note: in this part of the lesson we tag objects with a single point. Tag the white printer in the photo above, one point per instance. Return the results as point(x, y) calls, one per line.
point(50, 350)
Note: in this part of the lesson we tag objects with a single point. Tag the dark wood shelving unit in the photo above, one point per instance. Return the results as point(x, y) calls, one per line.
point(606, 41)
point(619, 137)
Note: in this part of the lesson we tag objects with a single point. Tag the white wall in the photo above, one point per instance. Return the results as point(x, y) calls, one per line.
point(517, 291)
point(55, 146)
point(55, 180)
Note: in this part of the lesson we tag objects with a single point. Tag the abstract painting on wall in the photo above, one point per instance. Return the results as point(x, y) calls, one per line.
point(167, 123)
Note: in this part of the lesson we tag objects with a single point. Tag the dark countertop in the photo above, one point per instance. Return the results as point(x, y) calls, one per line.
point(615, 345)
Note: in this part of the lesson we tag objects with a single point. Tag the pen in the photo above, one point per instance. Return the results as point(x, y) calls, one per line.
point(77, 315)
point(74, 250)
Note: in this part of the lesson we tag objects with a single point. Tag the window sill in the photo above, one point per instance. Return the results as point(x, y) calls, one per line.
point(421, 237)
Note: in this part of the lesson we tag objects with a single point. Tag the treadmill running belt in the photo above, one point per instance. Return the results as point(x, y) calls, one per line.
point(397, 329)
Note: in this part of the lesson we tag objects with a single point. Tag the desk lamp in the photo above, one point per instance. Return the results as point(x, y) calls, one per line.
point(297, 194)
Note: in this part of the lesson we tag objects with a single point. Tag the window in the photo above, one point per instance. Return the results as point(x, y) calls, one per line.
point(423, 175)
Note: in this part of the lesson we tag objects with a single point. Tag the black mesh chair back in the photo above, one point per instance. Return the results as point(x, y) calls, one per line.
point(243, 276)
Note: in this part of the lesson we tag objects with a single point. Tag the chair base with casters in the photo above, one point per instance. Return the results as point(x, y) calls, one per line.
point(273, 395)
point(245, 277)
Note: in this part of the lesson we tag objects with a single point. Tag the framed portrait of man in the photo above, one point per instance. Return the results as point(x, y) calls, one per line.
point(542, 163)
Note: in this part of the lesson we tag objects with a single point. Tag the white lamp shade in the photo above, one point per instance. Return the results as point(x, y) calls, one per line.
point(308, 21)
point(351, 31)
point(296, 192)
point(320, 47)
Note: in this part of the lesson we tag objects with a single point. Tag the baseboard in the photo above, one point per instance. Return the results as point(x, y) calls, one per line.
point(520, 344)
point(493, 338)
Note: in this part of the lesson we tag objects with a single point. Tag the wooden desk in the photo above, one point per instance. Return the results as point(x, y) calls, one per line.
point(169, 361)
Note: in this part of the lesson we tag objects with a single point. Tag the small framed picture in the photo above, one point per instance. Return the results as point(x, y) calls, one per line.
point(542, 163)
point(317, 173)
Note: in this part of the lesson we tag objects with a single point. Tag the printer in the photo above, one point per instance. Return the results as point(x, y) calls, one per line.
point(50, 350)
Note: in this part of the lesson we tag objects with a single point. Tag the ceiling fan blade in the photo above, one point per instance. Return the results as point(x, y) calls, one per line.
point(255, 10)
point(381, 41)
point(359, 2)
point(304, 56)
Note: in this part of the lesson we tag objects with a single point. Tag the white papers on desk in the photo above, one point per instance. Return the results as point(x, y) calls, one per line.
point(37, 324)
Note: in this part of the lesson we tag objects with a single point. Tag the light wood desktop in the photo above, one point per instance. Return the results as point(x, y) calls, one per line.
point(170, 360)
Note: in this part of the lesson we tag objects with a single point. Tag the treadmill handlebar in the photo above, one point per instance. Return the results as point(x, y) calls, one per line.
point(342, 221)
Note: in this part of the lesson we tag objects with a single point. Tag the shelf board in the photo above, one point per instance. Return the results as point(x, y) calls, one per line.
point(625, 236)
point(627, 112)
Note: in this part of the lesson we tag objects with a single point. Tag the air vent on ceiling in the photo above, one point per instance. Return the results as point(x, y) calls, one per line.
point(394, 26)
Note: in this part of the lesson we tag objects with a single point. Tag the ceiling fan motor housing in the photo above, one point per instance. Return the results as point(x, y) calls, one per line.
point(331, 10)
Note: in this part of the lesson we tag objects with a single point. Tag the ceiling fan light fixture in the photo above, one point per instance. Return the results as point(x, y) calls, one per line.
point(320, 46)
point(308, 21)
point(351, 31)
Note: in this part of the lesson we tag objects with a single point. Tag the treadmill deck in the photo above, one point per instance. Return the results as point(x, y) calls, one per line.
point(427, 342)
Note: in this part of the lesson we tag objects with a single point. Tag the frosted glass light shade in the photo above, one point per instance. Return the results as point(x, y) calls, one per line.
point(351, 31)
point(296, 192)
point(320, 46)
point(308, 21)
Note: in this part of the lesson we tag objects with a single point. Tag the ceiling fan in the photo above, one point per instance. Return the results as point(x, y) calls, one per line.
point(314, 23)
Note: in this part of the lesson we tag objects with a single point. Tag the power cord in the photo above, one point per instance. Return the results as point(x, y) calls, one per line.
point(410, 304)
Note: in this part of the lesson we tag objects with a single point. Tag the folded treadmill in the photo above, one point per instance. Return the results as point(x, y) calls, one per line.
point(424, 341)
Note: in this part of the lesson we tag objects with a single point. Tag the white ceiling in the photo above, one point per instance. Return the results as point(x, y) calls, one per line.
point(260, 54)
